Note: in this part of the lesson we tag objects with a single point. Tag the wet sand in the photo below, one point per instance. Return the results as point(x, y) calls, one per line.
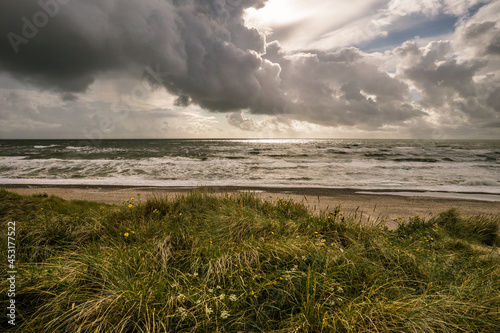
point(376, 206)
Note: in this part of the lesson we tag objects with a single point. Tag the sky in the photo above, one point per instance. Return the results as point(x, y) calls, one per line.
point(96, 69)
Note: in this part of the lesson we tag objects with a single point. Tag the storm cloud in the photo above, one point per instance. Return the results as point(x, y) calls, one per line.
point(201, 47)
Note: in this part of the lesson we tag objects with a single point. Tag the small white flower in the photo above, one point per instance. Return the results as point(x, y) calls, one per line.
point(210, 290)
point(219, 287)
point(195, 274)
point(224, 314)
point(182, 311)
point(340, 290)
point(210, 310)
point(222, 296)
point(233, 297)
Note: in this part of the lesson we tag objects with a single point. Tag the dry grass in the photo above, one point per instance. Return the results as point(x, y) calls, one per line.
point(232, 263)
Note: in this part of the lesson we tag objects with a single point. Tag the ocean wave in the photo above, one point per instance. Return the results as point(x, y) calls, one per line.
point(381, 156)
point(339, 152)
point(235, 157)
point(480, 182)
point(7, 159)
point(338, 163)
point(78, 148)
point(43, 147)
point(416, 159)
point(487, 158)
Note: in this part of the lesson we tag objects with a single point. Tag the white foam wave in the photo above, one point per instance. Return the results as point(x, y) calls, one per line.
point(78, 148)
point(481, 182)
point(43, 147)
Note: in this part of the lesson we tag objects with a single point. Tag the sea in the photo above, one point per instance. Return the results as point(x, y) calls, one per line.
point(392, 165)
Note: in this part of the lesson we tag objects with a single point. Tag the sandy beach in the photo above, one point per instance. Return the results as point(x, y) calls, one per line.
point(375, 206)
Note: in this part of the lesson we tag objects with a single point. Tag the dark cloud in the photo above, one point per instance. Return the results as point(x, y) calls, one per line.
point(341, 88)
point(439, 77)
point(182, 100)
point(237, 119)
point(484, 36)
point(66, 45)
point(493, 125)
point(494, 46)
point(452, 88)
point(69, 97)
point(478, 29)
point(493, 99)
point(47, 51)
point(352, 92)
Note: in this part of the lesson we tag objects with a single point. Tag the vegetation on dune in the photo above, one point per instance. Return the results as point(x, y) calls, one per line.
point(233, 263)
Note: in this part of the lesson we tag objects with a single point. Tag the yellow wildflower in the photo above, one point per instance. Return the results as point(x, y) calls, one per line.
point(125, 234)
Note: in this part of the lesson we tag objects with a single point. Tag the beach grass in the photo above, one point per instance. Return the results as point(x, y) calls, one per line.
point(207, 262)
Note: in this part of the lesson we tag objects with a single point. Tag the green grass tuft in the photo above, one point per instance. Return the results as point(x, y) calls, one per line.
point(482, 229)
point(233, 263)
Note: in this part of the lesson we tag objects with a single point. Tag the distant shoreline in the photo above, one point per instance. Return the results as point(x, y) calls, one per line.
point(323, 191)
point(379, 204)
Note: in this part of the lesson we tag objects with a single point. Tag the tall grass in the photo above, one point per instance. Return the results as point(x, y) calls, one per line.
point(233, 263)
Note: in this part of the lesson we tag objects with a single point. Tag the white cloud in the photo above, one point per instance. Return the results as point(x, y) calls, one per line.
point(316, 24)
point(432, 7)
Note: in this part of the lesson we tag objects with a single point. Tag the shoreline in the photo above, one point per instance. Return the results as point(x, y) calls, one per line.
point(377, 206)
point(305, 190)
